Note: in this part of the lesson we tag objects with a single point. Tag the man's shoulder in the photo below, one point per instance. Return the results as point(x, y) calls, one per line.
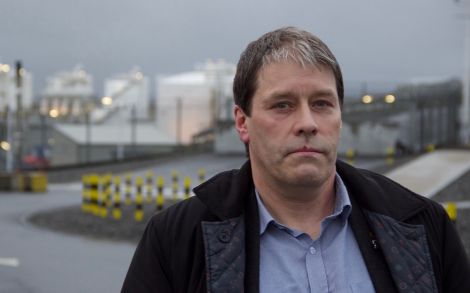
point(218, 198)
point(378, 193)
point(188, 210)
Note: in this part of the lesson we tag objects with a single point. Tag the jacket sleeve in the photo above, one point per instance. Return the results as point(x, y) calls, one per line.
point(147, 269)
point(456, 266)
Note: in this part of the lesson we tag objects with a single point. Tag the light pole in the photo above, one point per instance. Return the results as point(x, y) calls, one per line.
point(179, 106)
point(465, 114)
point(133, 130)
point(87, 133)
point(9, 154)
point(4, 110)
point(466, 83)
point(19, 115)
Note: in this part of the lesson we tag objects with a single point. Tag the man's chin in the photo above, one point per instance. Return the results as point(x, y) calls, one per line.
point(306, 176)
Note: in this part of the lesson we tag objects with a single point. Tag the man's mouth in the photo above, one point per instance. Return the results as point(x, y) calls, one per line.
point(306, 149)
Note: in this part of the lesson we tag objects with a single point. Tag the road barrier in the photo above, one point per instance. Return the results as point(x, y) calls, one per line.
point(430, 148)
point(128, 200)
point(106, 194)
point(102, 195)
point(117, 214)
point(32, 181)
point(139, 209)
point(451, 209)
point(187, 186)
point(350, 154)
point(390, 152)
point(86, 201)
point(149, 186)
point(23, 181)
point(94, 192)
point(108, 190)
point(160, 197)
point(202, 175)
point(174, 179)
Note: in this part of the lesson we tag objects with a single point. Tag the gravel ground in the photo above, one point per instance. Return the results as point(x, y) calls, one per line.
point(73, 220)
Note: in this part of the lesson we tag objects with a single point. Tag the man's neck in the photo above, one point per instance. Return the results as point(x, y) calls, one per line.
point(300, 208)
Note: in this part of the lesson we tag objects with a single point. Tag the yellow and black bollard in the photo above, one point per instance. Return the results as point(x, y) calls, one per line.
point(94, 193)
point(109, 190)
point(128, 199)
point(139, 209)
point(174, 178)
point(202, 175)
point(103, 197)
point(390, 152)
point(430, 148)
point(117, 214)
point(160, 196)
point(451, 209)
point(350, 154)
point(149, 186)
point(187, 186)
point(85, 193)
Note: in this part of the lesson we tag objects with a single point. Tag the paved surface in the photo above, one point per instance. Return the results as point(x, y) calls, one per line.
point(39, 260)
point(432, 172)
point(36, 260)
point(443, 176)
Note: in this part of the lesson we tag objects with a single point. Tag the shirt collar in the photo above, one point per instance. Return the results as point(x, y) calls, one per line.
point(342, 207)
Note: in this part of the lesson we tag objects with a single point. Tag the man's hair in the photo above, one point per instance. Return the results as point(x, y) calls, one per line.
point(284, 44)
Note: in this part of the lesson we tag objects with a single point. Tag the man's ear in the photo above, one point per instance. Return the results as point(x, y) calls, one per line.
point(241, 124)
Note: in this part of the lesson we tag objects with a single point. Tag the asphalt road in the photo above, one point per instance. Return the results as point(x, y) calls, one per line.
point(35, 260)
point(41, 261)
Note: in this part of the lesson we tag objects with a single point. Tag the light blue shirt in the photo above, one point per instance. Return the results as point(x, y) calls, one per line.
point(291, 261)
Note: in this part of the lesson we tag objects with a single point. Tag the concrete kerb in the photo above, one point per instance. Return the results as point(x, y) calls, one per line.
point(430, 173)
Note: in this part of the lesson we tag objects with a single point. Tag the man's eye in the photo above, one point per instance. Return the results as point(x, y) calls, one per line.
point(321, 104)
point(282, 105)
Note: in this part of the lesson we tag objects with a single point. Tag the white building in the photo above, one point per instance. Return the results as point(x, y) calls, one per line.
point(67, 94)
point(190, 102)
point(8, 88)
point(124, 92)
point(74, 143)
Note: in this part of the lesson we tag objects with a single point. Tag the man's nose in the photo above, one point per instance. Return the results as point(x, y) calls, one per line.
point(306, 123)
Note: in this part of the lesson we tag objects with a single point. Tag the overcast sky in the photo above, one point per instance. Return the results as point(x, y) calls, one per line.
point(375, 41)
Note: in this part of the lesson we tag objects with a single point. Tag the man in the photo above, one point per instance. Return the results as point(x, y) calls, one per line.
point(293, 218)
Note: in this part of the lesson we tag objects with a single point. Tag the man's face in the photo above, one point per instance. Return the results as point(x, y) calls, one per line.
point(294, 127)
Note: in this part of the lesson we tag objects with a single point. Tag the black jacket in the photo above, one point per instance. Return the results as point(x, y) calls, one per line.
point(210, 242)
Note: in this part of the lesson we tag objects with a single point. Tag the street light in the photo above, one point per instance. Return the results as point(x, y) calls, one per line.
point(139, 76)
point(5, 145)
point(107, 101)
point(4, 68)
point(367, 99)
point(390, 99)
point(54, 113)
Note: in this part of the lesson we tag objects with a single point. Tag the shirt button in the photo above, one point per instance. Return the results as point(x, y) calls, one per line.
point(312, 250)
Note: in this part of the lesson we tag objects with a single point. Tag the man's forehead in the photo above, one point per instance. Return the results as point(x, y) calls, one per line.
point(289, 63)
point(281, 66)
point(273, 72)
